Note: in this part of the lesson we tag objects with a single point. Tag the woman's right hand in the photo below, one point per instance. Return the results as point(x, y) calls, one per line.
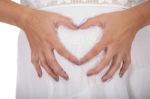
point(40, 28)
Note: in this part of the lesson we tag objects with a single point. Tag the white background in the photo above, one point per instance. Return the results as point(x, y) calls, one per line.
point(8, 60)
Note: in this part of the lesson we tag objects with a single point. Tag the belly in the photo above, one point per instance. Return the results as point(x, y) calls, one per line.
point(79, 42)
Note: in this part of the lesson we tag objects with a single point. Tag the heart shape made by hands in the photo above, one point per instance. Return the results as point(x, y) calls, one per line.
point(79, 42)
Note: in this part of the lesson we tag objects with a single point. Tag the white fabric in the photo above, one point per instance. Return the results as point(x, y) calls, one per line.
point(134, 85)
point(46, 3)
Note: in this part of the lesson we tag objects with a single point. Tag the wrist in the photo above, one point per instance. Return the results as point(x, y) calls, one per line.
point(136, 18)
point(132, 20)
point(142, 13)
point(22, 18)
point(139, 15)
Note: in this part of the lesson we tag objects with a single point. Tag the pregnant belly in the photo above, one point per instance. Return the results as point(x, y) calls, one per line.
point(79, 42)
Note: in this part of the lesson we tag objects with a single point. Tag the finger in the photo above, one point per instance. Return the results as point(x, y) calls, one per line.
point(65, 53)
point(68, 23)
point(38, 68)
point(56, 44)
point(93, 21)
point(90, 22)
point(48, 69)
point(55, 66)
point(113, 68)
point(106, 60)
point(126, 63)
point(93, 52)
point(35, 62)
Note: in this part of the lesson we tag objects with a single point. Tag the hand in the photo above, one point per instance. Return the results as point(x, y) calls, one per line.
point(119, 30)
point(40, 28)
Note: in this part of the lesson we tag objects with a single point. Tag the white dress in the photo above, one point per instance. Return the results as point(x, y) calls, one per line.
point(134, 84)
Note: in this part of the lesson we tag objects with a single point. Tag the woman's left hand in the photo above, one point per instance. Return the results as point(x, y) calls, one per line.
point(119, 30)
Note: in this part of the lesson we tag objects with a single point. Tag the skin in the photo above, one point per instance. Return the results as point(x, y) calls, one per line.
point(44, 40)
point(119, 30)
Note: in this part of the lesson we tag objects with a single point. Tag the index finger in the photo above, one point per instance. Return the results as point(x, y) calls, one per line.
point(93, 52)
point(64, 52)
point(55, 66)
point(68, 23)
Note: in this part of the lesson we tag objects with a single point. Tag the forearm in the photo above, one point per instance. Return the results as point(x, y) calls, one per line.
point(12, 13)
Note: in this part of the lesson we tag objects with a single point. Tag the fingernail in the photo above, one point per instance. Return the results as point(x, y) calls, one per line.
point(56, 79)
point(66, 76)
point(78, 26)
point(83, 61)
point(121, 75)
point(89, 74)
point(40, 75)
point(75, 27)
point(104, 79)
point(77, 62)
